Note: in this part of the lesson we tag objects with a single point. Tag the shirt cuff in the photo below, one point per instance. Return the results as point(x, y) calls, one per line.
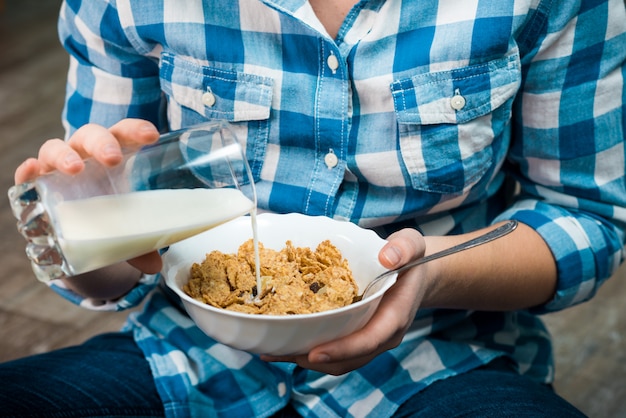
point(130, 300)
point(586, 249)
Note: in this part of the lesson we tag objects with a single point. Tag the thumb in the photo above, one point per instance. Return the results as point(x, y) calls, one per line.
point(402, 247)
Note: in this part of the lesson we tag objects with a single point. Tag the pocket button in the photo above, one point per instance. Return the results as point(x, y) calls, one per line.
point(457, 102)
point(208, 99)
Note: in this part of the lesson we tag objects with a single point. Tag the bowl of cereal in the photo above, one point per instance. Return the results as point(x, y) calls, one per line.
point(312, 270)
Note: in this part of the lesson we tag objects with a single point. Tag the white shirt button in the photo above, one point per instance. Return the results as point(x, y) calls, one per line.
point(281, 389)
point(457, 102)
point(333, 62)
point(208, 99)
point(331, 160)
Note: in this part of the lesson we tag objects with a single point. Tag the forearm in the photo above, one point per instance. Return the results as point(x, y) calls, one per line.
point(514, 272)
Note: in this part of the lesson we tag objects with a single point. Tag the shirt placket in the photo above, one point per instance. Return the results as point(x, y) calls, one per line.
point(331, 130)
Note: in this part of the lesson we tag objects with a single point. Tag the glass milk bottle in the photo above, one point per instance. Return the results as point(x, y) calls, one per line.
point(185, 183)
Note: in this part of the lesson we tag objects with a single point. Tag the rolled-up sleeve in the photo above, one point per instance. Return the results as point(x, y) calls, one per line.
point(568, 147)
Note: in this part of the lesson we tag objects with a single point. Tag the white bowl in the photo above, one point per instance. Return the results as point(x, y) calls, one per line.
point(280, 334)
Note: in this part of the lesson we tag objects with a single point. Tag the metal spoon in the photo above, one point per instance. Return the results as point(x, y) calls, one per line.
point(487, 237)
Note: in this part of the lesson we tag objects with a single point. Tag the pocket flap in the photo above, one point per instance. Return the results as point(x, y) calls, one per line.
point(214, 92)
point(458, 95)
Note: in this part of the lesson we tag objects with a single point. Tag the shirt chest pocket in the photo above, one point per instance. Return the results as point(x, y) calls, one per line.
point(197, 92)
point(450, 121)
point(216, 93)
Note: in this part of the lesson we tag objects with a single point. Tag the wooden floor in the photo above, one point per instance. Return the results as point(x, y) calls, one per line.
point(590, 340)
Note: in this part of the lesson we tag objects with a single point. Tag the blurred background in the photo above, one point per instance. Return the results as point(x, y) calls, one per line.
point(33, 66)
point(590, 339)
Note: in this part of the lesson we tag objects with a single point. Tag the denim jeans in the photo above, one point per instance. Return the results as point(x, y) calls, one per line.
point(93, 380)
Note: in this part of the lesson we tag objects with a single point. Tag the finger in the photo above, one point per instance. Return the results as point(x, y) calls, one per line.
point(98, 142)
point(56, 154)
point(326, 363)
point(335, 369)
point(26, 171)
point(134, 132)
point(105, 145)
point(88, 141)
point(379, 334)
point(385, 329)
point(332, 368)
point(402, 247)
point(150, 263)
point(383, 332)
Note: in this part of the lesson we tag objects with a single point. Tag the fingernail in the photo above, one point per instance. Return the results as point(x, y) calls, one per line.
point(321, 358)
point(147, 127)
point(392, 255)
point(71, 159)
point(110, 150)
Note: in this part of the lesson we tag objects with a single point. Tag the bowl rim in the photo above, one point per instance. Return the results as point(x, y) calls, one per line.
point(171, 279)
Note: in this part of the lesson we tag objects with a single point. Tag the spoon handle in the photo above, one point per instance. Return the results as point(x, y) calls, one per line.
point(500, 231)
point(482, 239)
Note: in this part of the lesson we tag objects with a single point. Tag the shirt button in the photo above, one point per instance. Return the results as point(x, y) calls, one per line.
point(282, 389)
point(331, 160)
point(208, 99)
point(457, 102)
point(333, 62)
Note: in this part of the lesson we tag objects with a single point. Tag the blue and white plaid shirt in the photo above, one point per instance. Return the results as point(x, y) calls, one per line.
point(413, 116)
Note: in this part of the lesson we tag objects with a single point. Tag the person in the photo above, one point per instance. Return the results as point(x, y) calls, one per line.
point(428, 122)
